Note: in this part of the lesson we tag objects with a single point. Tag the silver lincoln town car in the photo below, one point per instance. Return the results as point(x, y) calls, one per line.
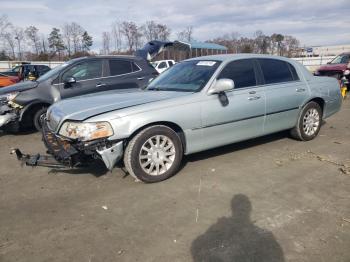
point(197, 104)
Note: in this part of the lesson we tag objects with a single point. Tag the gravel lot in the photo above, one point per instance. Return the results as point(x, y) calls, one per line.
point(268, 199)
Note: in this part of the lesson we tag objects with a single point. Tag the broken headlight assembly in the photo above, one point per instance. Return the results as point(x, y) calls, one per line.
point(11, 96)
point(86, 131)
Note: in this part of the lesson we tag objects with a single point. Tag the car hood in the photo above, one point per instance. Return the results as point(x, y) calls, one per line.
point(83, 107)
point(334, 67)
point(19, 87)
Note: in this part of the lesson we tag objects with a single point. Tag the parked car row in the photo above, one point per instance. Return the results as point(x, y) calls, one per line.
point(197, 104)
point(27, 71)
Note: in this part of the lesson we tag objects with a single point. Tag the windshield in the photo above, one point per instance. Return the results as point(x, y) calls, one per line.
point(341, 59)
point(188, 76)
point(54, 71)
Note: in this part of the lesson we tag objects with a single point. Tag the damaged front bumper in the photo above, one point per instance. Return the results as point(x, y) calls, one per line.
point(7, 115)
point(64, 153)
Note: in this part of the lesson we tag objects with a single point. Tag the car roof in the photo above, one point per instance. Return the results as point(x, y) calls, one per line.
point(112, 56)
point(229, 57)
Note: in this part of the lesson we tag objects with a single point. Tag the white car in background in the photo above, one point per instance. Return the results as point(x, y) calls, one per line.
point(162, 65)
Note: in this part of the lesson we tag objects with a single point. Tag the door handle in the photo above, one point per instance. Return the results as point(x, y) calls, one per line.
point(140, 78)
point(251, 98)
point(252, 92)
point(300, 90)
point(100, 85)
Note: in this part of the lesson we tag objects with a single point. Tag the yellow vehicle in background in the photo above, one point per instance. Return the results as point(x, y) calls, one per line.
point(345, 83)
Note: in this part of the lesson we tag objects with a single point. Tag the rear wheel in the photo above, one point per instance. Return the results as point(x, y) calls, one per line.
point(38, 118)
point(154, 154)
point(309, 122)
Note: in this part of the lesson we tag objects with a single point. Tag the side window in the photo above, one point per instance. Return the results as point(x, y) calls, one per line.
point(345, 59)
point(294, 72)
point(162, 65)
point(241, 72)
point(119, 67)
point(86, 70)
point(170, 63)
point(275, 71)
point(135, 67)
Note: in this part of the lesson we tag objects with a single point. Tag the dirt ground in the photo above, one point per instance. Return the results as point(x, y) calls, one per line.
point(268, 199)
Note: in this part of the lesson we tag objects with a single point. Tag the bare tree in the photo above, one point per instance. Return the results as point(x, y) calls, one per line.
point(163, 32)
point(117, 36)
point(262, 42)
point(67, 37)
point(32, 35)
point(77, 31)
point(19, 36)
point(290, 46)
point(106, 40)
point(11, 42)
point(149, 30)
point(132, 34)
point(186, 34)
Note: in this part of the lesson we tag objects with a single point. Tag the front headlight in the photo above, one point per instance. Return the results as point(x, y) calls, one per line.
point(86, 131)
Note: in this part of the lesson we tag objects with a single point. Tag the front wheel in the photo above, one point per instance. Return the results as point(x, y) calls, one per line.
point(154, 154)
point(38, 118)
point(309, 122)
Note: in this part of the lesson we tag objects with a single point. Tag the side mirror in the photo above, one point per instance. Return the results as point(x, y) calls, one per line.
point(222, 85)
point(328, 63)
point(70, 80)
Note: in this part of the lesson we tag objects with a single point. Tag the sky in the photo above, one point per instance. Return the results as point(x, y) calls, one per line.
point(314, 23)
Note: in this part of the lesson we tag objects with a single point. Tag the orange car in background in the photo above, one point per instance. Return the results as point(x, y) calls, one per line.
point(8, 80)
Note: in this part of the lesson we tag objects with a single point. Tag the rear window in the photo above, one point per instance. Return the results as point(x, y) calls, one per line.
point(119, 67)
point(275, 71)
point(162, 65)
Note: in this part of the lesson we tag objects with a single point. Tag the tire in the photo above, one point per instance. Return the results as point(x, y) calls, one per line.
point(37, 118)
point(309, 122)
point(165, 155)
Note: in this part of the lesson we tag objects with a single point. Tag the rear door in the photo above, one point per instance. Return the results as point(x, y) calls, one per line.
point(242, 117)
point(285, 94)
point(124, 74)
point(88, 76)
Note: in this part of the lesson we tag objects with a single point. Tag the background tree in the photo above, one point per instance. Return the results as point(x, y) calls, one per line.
point(11, 42)
point(117, 36)
point(132, 34)
point(67, 38)
point(86, 41)
point(32, 35)
point(19, 36)
point(77, 32)
point(106, 40)
point(186, 34)
point(56, 42)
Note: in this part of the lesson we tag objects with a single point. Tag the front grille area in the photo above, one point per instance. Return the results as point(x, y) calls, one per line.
point(59, 148)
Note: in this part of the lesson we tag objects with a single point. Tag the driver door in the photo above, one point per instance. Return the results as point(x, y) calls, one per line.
point(242, 116)
point(88, 76)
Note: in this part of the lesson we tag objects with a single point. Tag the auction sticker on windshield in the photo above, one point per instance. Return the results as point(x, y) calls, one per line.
point(206, 63)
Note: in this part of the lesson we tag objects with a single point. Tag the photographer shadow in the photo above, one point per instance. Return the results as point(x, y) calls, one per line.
point(237, 239)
